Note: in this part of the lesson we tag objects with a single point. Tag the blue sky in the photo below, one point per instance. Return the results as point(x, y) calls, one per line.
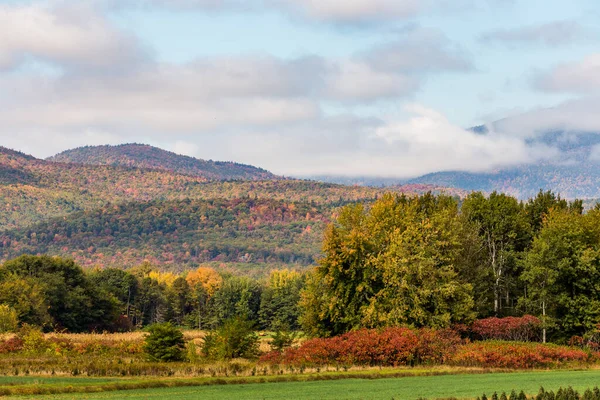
point(360, 87)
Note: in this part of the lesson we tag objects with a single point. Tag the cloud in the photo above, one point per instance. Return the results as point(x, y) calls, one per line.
point(556, 33)
point(352, 11)
point(258, 109)
point(579, 115)
point(421, 50)
point(577, 77)
point(74, 36)
point(106, 84)
point(337, 12)
point(414, 141)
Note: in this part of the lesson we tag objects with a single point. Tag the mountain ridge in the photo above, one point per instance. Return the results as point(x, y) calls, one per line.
point(136, 155)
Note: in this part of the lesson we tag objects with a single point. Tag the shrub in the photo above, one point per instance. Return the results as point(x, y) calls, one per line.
point(236, 338)
point(9, 322)
point(33, 339)
point(11, 345)
point(390, 346)
point(495, 354)
point(524, 329)
point(164, 343)
point(282, 339)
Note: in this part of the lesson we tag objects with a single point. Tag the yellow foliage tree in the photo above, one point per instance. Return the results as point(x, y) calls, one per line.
point(281, 278)
point(210, 279)
point(163, 277)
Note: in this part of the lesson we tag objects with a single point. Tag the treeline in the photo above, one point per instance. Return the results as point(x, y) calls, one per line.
point(56, 294)
point(425, 262)
point(417, 262)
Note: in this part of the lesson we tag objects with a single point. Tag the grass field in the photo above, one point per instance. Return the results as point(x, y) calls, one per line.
point(460, 386)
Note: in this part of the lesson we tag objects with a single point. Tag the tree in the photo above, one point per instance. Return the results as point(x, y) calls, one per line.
point(237, 297)
point(73, 302)
point(179, 298)
point(235, 338)
point(9, 320)
point(26, 297)
point(121, 284)
point(164, 343)
point(562, 271)
point(279, 303)
point(505, 234)
point(207, 277)
point(395, 264)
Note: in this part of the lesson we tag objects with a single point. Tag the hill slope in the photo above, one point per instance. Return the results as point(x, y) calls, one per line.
point(33, 190)
point(145, 156)
point(179, 233)
point(104, 215)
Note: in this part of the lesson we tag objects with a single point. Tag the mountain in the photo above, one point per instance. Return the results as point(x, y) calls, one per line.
point(148, 157)
point(106, 215)
point(573, 173)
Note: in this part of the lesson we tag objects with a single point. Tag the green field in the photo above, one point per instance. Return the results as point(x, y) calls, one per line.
point(460, 386)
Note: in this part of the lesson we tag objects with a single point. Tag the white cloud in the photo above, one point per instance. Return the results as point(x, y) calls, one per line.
point(353, 10)
point(580, 115)
point(73, 36)
point(359, 81)
point(582, 76)
point(416, 141)
point(256, 109)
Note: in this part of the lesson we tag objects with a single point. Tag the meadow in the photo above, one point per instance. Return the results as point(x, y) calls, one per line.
point(461, 386)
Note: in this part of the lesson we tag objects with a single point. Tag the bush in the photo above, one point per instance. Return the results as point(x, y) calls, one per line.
point(236, 338)
point(164, 343)
point(33, 339)
point(524, 329)
point(494, 354)
point(390, 347)
point(282, 338)
point(9, 322)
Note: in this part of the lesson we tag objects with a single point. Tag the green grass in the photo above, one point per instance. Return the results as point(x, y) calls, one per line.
point(460, 386)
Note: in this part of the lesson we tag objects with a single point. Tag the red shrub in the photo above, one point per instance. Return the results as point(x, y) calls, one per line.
point(11, 345)
point(495, 354)
point(524, 329)
point(390, 346)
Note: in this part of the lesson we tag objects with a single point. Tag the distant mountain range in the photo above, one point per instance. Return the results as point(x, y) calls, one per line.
point(144, 156)
point(575, 173)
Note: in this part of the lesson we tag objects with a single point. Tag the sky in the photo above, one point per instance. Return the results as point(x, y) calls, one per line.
point(384, 88)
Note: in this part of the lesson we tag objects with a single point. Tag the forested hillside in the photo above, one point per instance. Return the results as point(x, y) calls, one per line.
point(176, 234)
point(34, 190)
point(145, 156)
point(104, 215)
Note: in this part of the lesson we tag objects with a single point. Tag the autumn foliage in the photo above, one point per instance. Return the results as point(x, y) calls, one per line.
point(390, 346)
point(523, 329)
point(496, 354)
point(403, 346)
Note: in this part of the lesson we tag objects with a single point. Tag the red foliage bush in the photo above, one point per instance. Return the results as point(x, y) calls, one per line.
point(523, 329)
point(494, 354)
point(390, 346)
point(11, 345)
